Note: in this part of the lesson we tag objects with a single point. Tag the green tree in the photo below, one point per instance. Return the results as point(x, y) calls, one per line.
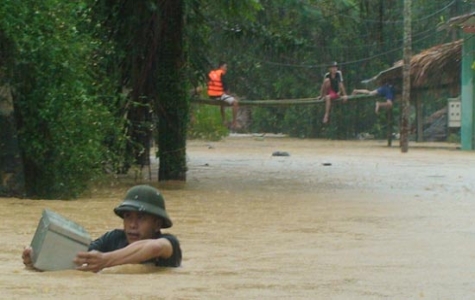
point(172, 106)
point(62, 122)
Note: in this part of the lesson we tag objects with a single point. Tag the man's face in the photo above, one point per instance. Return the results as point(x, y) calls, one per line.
point(224, 67)
point(140, 226)
point(333, 69)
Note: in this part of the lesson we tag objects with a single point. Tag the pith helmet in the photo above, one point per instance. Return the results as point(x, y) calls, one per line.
point(144, 198)
point(333, 64)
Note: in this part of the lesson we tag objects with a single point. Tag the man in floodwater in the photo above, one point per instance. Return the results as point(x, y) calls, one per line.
point(141, 241)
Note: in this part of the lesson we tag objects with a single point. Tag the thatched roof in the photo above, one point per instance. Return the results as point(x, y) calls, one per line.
point(465, 22)
point(436, 66)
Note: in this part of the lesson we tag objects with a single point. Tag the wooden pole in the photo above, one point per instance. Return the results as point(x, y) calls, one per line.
point(389, 117)
point(419, 118)
point(406, 75)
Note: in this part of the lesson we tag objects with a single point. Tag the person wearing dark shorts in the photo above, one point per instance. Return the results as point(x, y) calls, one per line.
point(386, 91)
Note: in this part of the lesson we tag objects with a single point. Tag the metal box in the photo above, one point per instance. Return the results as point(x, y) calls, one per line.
point(454, 112)
point(56, 242)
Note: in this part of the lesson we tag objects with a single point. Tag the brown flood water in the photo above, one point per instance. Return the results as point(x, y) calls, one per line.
point(373, 224)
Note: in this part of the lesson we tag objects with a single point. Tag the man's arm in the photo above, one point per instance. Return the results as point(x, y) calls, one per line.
point(341, 86)
point(324, 86)
point(224, 82)
point(344, 96)
point(134, 253)
point(342, 89)
point(322, 89)
point(26, 257)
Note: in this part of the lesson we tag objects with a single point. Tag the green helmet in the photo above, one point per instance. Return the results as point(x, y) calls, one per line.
point(144, 198)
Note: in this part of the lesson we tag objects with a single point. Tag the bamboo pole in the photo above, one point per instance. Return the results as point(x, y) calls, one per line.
point(277, 102)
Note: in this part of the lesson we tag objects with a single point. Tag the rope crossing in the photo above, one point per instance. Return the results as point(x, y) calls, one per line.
point(297, 101)
point(277, 102)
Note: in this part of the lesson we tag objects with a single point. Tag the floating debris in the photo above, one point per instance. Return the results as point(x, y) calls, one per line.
point(280, 153)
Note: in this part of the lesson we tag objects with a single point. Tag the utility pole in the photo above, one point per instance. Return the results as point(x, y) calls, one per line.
point(406, 76)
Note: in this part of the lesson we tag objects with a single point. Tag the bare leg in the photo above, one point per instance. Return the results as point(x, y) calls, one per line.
point(223, 114)
point(324, 95)
point(387, 105)
point(376, 108)
point(235, 111)
point(363, 91)
point(328, 106)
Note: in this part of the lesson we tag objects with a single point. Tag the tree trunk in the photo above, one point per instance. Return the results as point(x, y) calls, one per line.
point(172, 105)
point(12, 180)
point(406, 89)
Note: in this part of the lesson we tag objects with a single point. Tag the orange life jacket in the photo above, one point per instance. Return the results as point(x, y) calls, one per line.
point(215, 85)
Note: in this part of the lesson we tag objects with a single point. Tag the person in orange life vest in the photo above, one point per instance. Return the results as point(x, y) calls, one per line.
point(218, 89)
point(332, 88)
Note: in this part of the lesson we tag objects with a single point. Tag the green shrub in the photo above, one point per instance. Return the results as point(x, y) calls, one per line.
point(63, 125)
point(206, 123)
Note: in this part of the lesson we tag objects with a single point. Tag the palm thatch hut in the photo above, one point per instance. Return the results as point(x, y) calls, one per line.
point(435, 67)
point(465, 22)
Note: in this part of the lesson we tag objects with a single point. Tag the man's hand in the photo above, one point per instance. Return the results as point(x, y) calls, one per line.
point(26, 257)
point(345, 98)
point(93, 261)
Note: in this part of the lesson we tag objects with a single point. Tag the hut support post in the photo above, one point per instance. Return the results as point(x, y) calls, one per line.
point(420, 118)
point(468, 92)
point(389, 133)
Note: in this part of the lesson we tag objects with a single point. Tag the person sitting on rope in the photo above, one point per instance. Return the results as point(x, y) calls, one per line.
point(386, 90)
point(332, 88)
point(218, 89)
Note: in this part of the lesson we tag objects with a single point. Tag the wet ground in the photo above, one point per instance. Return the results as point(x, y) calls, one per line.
point(334, 220)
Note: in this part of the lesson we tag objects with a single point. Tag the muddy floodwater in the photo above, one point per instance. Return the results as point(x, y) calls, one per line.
point(334, 220)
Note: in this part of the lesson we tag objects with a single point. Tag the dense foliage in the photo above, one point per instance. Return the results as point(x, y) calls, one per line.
point(61, 95)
